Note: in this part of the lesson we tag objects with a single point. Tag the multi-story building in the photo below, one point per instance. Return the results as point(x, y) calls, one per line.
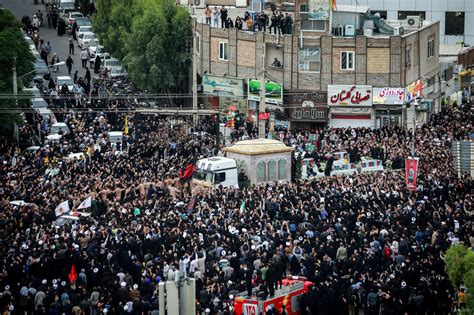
point(456, 16)
point(349, 69)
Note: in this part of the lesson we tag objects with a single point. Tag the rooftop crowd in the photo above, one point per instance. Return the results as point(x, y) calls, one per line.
point(365, 241)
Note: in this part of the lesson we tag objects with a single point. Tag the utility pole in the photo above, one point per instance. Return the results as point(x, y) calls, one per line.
point(261, 105)
point(218, 131)
point(413, 143)
point(16, 133)
point(195, 59)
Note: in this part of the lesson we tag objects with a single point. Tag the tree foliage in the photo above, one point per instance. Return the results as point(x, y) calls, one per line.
point(150, 37)
point(459, 263)
point(13, 50)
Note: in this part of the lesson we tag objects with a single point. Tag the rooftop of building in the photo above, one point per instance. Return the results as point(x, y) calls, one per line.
point(346, 21)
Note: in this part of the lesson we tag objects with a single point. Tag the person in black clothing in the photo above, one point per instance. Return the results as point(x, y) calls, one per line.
point(238, 23)
point(44, 56)
point(224, 15)
point(69, 63)
point(248, 273)
point(263, 22)
point(230, 24)
point(329, 164)
point(97, 64)
point(51, 84)
point(274, 23)
point(61, 27)
point(87, 76)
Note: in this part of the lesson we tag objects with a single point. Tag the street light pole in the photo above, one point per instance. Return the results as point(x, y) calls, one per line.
point(413, 143)
point(195, 98)
point(261, 105)
point(16, 133)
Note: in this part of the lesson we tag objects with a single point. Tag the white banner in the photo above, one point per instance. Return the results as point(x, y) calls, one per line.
point(86, 203)
point(389, 96)
point(62, 208)
point(349, 95)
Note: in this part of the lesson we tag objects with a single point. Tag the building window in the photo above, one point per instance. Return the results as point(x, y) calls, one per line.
point(304, 8)
point(309, 59)
point(454, 23)
point(312, 25)
point(431, 46)
point(383, 14)
point(198, 44)
point(347, 60)
point(219, 177)
point(223, 50)
point(408, 56)
point(402, 15)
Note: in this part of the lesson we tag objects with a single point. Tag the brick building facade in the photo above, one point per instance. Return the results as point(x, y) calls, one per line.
point(311, 61)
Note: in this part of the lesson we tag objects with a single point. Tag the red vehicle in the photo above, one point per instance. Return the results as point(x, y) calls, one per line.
point(290, 293)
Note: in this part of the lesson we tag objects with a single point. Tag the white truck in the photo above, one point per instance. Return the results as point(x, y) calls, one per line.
point(216, 171)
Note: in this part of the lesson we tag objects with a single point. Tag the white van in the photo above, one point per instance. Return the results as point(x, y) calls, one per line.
point(51, 139)
point(115, 137)
point(57, 127)
point(45, 113)
point(216, 171)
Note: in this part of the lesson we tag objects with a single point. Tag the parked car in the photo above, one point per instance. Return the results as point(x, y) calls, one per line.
point(83, 21)
point(38, 102)
point(64, 79)
point(84, 39)
point(41, 70)
point(30, 42)
point(103, 56)
point(93, 46)
point(95, 49)
point(113, 68)
point(84, 29)
point(34, 91)
point(70, 17)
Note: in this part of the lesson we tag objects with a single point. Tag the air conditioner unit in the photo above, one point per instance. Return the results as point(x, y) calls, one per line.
point(349, 30)
point(398, 30)
point(413, 21)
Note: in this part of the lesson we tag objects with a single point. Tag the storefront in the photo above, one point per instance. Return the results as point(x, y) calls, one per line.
point(307, 110)
point(388, 106)
point(350, 106)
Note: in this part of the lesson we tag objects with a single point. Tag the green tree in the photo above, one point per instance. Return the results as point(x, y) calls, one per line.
point(13, 50)
point(459, 261)
point(150, 37)
point(469, 283)
point(460, 267)
point(112, 23)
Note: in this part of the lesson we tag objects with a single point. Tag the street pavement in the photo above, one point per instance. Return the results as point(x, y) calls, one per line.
point(59, 45)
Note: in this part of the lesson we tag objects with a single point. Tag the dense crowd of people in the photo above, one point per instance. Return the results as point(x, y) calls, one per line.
point(364, 240)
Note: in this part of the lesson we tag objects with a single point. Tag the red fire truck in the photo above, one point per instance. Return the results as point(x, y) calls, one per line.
point(288, 295)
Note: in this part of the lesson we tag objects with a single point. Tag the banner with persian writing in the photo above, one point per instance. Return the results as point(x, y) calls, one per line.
point(349, 95)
